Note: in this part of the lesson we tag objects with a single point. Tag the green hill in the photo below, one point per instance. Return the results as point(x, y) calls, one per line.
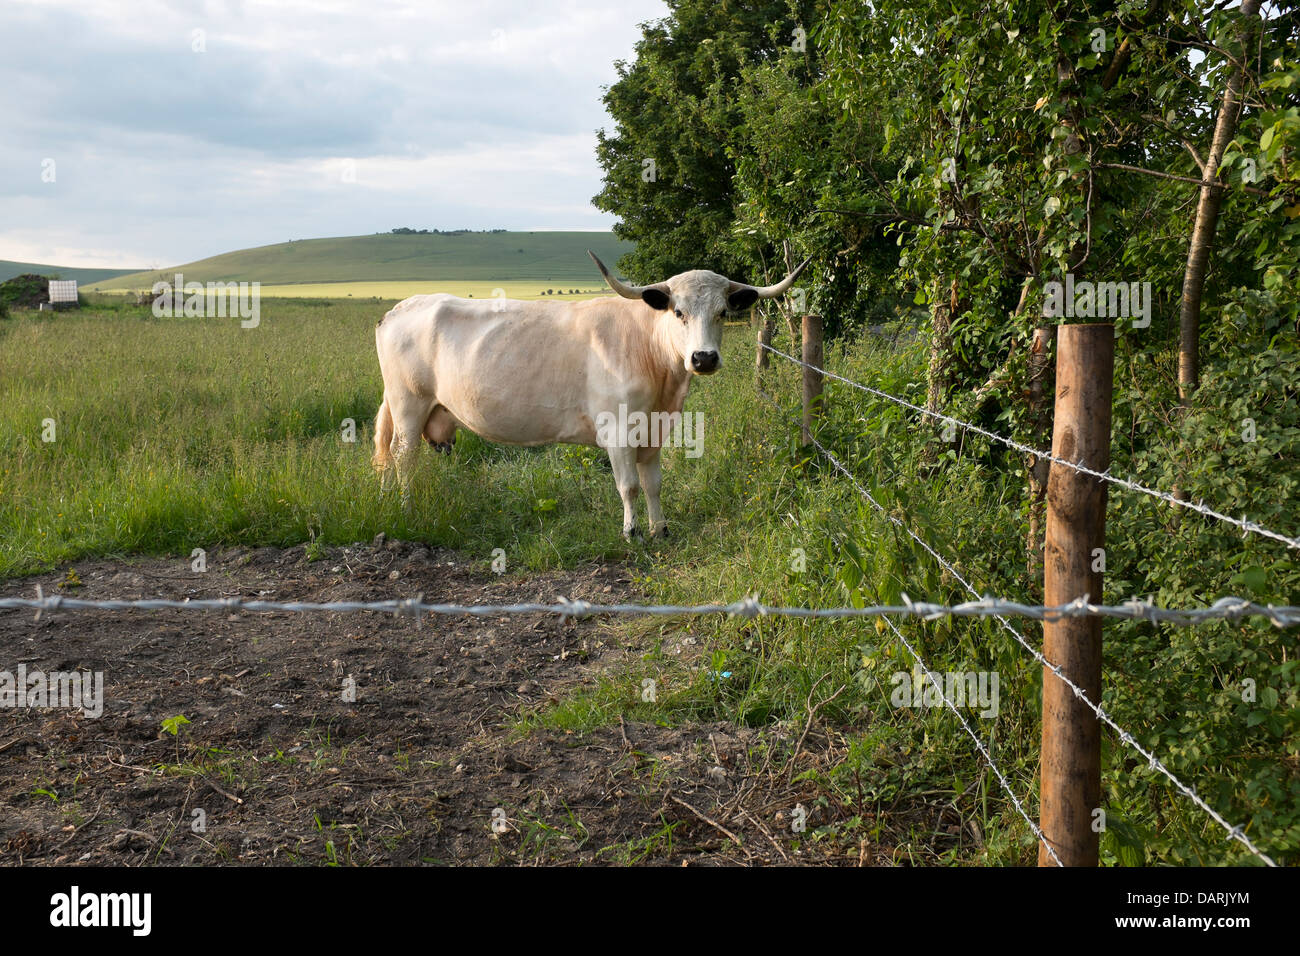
point(504, 256)
point(83, 276)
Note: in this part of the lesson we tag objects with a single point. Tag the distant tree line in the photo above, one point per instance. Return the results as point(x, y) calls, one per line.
point(408, 231)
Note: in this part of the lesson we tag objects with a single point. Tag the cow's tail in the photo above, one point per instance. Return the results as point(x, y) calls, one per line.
point(383, 457)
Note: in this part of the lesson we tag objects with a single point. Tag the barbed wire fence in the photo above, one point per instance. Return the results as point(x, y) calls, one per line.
point(1244, 523)
point(1225, 609)
point(1228, 608)
point(1233, 832)
point(1000, 610)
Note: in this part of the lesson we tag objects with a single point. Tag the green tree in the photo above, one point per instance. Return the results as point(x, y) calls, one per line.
point(668, 164)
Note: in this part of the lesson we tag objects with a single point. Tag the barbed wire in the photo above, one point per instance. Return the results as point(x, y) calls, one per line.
point(1248, 526)
point(1234, 832)
point(1227, 608)
point(979, 745)
point(750, 607)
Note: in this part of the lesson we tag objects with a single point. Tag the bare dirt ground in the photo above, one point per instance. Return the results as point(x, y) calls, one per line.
point(282, 769)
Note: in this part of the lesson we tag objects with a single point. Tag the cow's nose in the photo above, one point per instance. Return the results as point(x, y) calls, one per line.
point(704, 362)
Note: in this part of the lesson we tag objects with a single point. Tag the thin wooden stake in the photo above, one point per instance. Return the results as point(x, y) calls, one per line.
point(812, 380)
point(765, 329)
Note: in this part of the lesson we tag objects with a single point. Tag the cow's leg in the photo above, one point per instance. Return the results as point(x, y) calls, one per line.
point(647, 467)
point(382, 460)
point(405, 450)
point(623, 461)
point(409, 417)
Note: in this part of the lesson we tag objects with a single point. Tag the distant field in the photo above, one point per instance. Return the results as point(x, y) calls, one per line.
point(547, 258)
point(10, 269)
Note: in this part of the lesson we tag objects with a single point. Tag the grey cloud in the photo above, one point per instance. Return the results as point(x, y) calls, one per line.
point(171, 154)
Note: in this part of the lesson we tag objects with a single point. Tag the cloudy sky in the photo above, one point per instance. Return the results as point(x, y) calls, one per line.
point(147, 133)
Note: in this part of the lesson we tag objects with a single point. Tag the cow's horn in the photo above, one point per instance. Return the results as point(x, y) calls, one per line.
point(772, 291)
point(622, 288)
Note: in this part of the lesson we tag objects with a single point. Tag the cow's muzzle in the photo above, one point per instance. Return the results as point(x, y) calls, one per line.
point(705, 363)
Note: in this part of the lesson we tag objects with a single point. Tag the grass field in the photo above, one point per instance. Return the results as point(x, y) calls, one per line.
point(546, 258)
point(170, 435)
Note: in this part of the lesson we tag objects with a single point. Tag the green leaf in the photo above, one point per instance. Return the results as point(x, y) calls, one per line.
point(172, 725)
point(1254, 578)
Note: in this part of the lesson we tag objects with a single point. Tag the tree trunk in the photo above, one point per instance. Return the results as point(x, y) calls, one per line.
point(1202, 241)
point(937, 374)
point(1207, 218)
point(940, 345)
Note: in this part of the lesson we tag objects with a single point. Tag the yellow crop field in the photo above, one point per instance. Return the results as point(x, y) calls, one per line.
point(396, 290)
point(472, 288)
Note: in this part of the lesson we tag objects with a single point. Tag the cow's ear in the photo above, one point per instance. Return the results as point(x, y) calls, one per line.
point(657, 299)
point(741, 299)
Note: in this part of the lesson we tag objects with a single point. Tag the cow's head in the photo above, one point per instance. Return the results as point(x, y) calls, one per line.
point(694, 304)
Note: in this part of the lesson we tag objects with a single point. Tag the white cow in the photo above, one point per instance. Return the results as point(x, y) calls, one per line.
point(532, 373)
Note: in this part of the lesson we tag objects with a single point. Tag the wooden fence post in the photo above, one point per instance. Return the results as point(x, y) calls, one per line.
point(812, 381)
point(1076, 530)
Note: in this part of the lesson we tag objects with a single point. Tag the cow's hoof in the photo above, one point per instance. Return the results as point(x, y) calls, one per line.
point(662, 533)
point(632, 534)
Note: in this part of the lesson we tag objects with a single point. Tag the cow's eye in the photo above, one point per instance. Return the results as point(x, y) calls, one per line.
point(678, 313)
